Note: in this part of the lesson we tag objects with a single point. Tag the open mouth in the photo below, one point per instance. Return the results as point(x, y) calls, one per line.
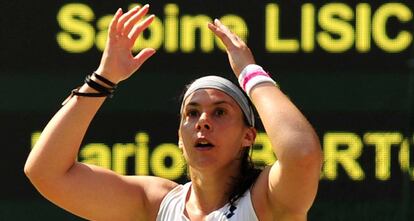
point(203, 144)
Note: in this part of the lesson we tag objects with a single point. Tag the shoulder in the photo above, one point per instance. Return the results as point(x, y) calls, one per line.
point(151, 185)
point(154, 190)
point(172, 206)
point(259, 196)
point(267, 209)
point(243, 209)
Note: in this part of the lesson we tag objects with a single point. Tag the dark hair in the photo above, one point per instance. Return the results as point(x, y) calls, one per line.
point(248, 172)
point(248, 175)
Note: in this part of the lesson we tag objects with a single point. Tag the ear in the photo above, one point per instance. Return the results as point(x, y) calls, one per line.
point(180, 141)
point(249, 137)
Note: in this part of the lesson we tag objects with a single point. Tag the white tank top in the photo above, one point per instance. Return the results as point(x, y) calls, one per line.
point(172, 207)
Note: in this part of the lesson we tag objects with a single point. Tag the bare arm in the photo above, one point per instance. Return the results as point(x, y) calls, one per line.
point(289, 186)
point(89, 191)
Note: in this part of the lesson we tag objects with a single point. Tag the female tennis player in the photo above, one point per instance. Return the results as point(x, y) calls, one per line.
point(215, 134)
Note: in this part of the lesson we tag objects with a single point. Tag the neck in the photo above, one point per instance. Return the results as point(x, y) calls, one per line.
point(210, 190)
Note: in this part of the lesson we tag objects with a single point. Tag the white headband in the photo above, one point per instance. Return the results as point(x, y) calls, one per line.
point(227, 87)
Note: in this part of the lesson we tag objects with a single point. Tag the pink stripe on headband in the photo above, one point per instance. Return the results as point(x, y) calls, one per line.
point(252, 75)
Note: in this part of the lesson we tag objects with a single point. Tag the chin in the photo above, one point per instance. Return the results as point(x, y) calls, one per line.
point(203, 164)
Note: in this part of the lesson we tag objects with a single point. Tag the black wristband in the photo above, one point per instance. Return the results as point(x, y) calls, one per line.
point(106, 81)
point(83, 94)
point(98, 87)
point(102, 90)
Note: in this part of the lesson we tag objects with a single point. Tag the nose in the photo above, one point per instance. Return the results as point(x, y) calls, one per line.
point(203, 123)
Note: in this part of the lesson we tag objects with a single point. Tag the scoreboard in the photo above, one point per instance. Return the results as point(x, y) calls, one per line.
point(347, 65)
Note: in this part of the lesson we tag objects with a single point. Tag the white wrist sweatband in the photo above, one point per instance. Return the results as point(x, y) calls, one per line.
point(253, 75)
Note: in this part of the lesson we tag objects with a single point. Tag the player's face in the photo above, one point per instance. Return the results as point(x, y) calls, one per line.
point(212, 130)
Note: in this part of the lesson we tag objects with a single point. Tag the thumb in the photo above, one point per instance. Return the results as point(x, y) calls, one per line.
point(142, 56)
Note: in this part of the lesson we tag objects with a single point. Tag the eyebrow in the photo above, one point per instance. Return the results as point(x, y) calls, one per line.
point(215, 103)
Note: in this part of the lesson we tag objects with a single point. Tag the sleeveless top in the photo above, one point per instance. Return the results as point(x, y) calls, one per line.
point(172, 207)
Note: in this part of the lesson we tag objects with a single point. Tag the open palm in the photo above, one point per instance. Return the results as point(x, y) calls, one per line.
point(118, 63)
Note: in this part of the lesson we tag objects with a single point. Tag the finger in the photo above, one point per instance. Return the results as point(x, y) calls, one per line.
point(126, 16)
point(143, 55)
point(220, 34)
point(114, 22)
point(138, 29)
point(224, 28)
point(134, 19)
point(227, 31)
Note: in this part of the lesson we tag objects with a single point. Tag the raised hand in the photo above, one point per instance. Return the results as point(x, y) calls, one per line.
point(118, 63)
point(239, 54)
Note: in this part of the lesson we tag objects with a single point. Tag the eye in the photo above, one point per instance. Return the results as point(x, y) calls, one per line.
point(219, 112)
point(192, 113)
